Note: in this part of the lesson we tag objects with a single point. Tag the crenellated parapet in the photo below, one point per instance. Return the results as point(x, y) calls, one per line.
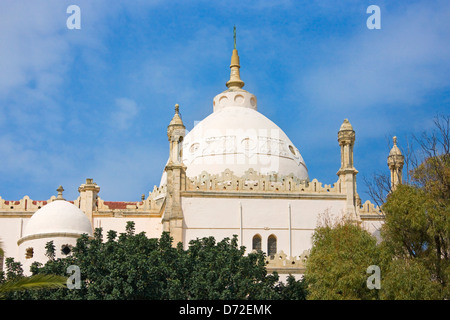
point(24, 205)
point(281, 263)
point(253, 181)
point(368, 210)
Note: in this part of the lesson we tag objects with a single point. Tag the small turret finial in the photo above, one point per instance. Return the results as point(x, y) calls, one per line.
point(60, 193)
point(176, 120)
point(395, 140)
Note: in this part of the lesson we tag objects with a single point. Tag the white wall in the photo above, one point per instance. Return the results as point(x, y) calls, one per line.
point(10, 231)
point(221, 217)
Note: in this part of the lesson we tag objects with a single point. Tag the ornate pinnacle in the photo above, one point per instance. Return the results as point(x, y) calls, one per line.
point(60, 193)
point(235, 78)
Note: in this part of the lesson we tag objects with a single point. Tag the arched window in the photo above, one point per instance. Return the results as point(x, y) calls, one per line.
point(271, 246)
point(256, 243)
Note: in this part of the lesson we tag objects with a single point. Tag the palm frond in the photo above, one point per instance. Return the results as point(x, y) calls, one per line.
point(39, 281)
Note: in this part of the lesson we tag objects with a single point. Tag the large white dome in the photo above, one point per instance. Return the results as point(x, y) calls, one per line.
point(239, 138)
point(58, 216)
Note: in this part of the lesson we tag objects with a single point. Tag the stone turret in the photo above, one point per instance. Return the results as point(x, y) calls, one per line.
point(395, 163)
point(347, 172)
point(88, 198)
point(176, 179)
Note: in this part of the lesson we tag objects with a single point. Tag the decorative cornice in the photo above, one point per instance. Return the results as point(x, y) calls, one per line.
point(262, 195)
point(48, 235)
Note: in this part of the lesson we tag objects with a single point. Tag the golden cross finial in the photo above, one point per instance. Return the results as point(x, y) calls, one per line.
point(235, 78)
point(234, 36)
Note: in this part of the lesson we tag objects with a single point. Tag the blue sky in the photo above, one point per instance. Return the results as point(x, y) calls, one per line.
point(96, 102)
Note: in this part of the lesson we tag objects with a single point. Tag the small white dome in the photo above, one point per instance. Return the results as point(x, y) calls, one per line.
point(59, 216)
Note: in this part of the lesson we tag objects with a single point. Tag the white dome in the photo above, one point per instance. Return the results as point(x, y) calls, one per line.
point(239, 138)
point(59, 216)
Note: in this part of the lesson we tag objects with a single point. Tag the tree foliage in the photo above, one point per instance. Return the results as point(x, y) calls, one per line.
point(407, 279)
point(132, 266)
point(336, 268)
point(416, 232)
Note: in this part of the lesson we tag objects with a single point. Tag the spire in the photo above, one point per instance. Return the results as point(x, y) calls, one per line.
point(234, 36)
point(235, 78)
point(60, 195)
point(395, 163)
point(176, 120)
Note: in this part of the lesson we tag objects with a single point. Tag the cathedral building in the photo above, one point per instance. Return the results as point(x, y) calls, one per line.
point(235, 173)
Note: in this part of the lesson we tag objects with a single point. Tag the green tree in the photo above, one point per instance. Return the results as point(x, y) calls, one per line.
point(336, 268)
point(415, 232)
point(293, 289)
point(132, 266)
point(407, 279)
point(50, 250)
point(222, 271)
